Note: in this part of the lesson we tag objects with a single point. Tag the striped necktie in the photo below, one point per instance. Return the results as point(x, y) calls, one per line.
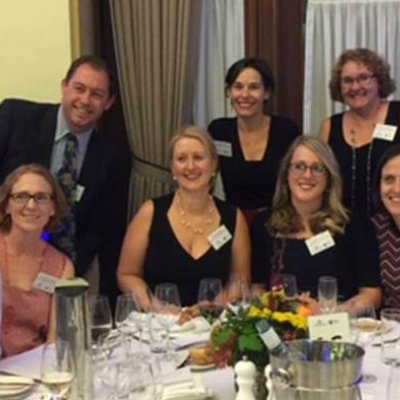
point(67, 176)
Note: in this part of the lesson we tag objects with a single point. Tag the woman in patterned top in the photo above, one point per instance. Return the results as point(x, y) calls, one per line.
point(386, 220)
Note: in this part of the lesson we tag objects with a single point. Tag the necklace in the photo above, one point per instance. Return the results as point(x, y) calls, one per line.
point(354, 171)
point(207, 218)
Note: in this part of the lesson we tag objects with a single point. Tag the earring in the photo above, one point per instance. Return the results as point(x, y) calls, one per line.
point(173, 177)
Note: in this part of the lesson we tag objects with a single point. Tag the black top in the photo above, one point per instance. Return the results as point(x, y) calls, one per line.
point(353, 260)
point(343, 153)
point(251, 184)
point(167, 261)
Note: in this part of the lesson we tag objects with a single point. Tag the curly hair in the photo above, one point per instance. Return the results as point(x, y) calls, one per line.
point(333, 215)
point(6, 188)
point(376, 64)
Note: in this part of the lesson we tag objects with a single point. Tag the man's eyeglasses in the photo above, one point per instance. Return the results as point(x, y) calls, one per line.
point(40, 198)
point(300, 168)
point(362, 79)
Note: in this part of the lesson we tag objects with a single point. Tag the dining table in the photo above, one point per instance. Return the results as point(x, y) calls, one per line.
point(219, 381)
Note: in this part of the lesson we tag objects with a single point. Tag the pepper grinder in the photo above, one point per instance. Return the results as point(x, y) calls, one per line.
point(245, 378)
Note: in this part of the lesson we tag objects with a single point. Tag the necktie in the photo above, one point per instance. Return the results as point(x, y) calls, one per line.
point(67, 177)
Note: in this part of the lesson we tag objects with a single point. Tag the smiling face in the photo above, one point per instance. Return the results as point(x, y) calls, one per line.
point(307, 179)
point(248, 94)
point(359, 88)
point(30, 216)
point(390, 187)
point(192, 164)
point(85, 97)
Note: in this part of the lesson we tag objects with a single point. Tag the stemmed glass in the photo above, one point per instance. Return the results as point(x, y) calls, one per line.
point(166, 307)
point(57, 368)
point(365, 326)
point(285, 282)
point(210, 298)
point(100, 313)
point(327, 294)
point(238, 295)
point(124, 320)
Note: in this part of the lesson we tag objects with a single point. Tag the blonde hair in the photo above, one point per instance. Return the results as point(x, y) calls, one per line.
point(332, 215)
point(5, 191)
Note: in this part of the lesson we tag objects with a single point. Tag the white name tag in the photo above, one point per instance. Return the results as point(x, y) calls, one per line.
point(320, 242)
point(79, 192)
point(330, 327)
point(45, 282)
point(223, 148)
point(384, 132)
point(219, 237)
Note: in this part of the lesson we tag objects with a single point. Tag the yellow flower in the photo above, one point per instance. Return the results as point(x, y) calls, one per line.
point(297, 321)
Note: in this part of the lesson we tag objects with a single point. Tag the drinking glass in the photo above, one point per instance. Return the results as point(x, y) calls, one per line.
point(210, 298)
point(238, 295)
point(124, 320)
point(57, 369)
point(285, 282)
point(166, 307)
point(364, 326)
point(393, 386)
point(100, 314)
point(327, 294)
point(390, 345)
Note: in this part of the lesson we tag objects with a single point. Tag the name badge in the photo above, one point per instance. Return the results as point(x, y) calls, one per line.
point(320, 242)
point(219, 237)
point(79, 192)
point(45, 282)
point(330, 327)
point(384, 132)
point(223, 148)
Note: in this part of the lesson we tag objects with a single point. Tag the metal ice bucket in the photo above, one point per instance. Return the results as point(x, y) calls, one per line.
point(320, 370)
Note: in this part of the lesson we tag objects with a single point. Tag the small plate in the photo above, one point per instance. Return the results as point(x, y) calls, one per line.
point(202, 368)
point(14, 392)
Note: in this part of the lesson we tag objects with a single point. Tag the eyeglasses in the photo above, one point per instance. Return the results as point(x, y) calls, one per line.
point(40, 198)
point(362, 79)
point(300, 168)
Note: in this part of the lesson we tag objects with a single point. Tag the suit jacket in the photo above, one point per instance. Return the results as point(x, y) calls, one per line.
point(27, 132)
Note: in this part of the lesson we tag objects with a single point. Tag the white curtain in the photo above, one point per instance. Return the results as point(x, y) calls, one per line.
point(334, 26)
point(221, 44)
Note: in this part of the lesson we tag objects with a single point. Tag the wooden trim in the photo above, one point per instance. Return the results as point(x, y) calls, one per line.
point(75, 28)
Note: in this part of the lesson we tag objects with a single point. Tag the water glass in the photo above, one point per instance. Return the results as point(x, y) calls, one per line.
point(327, 294)
point(238, 295)
point(393, 386)
point(285, 282)
point(100, 314)
point(390, 325)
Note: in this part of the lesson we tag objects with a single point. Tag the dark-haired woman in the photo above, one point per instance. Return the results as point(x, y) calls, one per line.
point(358, 137)
point(251, 145)
point(386, 220)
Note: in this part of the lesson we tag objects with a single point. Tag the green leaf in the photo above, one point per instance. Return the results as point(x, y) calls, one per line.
point(250, 343)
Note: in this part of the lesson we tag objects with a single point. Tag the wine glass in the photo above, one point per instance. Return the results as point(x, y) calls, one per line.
point(238, 295)
point(285, 282)
point(124, 320)
point(364, 326)
point(100, 314)
point(393, 386)
point(327, 294)
point(166, 308)
point(57, 368)
point(210, 298)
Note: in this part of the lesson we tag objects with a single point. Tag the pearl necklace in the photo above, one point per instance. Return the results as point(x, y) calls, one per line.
point(354, 171)
point(207, 219)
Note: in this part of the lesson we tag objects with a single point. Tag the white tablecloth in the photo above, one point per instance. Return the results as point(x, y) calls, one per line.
point(221, 381)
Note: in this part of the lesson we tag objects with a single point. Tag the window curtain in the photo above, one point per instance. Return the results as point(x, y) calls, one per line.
point(221, 44)
point(336, 25)
point(156, 47)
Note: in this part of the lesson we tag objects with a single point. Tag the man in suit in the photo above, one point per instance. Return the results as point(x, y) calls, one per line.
point(36, 132)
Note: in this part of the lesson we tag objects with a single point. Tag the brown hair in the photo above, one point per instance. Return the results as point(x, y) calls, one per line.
point(376, 64)
point(332, 215)
point(97, 64)
point(5, 191)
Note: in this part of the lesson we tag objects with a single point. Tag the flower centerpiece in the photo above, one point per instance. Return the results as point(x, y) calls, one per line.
point(236, 336)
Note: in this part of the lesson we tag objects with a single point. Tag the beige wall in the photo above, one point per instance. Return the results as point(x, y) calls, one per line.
point(35, 48)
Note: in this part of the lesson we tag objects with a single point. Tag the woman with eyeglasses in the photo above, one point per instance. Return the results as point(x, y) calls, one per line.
point(30, 203)
point(309, 232)
point(359, 136)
